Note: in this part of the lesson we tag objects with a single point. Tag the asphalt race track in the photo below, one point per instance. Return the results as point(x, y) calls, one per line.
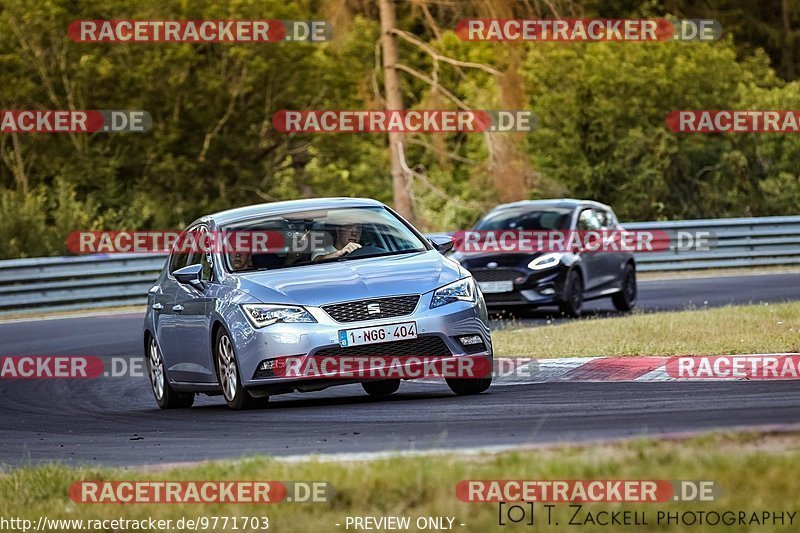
point(115, 421)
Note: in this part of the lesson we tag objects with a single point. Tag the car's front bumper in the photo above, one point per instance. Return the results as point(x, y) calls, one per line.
point(444, 325)
point(528, 287)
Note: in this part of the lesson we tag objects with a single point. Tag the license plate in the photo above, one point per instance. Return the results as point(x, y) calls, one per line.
point(496, 286)
point(374, 334)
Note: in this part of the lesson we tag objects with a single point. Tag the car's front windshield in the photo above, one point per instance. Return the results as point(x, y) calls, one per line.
point(525, 218)
point(324, 235)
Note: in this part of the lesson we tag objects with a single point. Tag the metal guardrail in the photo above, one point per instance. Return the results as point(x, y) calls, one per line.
point(67, 283)
point(84, 282)
point(739, 242)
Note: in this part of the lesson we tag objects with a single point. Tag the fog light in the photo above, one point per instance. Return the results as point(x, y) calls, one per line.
point(267, 367)
point(269, 364)
point(470, 340)
point(548, 291)
point(472, 343)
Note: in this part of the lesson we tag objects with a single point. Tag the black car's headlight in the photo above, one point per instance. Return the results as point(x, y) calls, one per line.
point(461, 290)
point(262, 315)
point(545, 261)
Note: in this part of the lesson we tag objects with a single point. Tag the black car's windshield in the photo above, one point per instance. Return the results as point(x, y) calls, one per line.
point(324, 235)
point(525, 218)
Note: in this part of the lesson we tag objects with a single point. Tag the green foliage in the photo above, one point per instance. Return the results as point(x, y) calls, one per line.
point(603, 132)
point(212, 145)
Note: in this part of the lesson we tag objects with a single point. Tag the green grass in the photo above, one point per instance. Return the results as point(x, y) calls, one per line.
point(755, 472)
point(763, 328)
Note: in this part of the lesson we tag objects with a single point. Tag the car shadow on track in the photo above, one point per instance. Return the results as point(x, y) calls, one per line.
point(509, 317)
point(293, 401)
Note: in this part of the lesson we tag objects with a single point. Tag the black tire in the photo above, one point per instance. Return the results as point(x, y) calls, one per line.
point(572, 299)
point(625, 300)
point(166, 397)
point(381, 388)
point(464, 387)
point(229, 378)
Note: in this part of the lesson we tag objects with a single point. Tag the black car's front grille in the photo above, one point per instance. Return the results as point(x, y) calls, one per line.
point(371, 309)
point(496, 274)
point(499, 297)
point(428, 346)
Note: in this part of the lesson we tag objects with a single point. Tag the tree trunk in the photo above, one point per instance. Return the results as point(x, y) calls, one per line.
point(788, 49)
point(394, 102)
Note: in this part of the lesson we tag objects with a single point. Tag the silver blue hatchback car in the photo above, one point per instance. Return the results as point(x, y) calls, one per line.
point(219, 322)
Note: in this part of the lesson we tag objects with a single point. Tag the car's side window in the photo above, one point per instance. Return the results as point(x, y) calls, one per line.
point(587, 220)
point(178, 260)
point(205, 259)
point(606, 219)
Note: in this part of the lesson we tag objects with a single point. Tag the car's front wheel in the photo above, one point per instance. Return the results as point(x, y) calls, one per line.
point(625, 299)
point(572, 299)
point(463, 387)
point(236, 396)
point(381, 388)
point(166, 396)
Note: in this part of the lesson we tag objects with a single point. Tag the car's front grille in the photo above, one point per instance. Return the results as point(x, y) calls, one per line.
point(371, 309)
point(496, 274)
point(427, 346)
point(495, 297)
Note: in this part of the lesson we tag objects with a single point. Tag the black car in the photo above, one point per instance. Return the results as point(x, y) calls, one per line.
point(540, 278)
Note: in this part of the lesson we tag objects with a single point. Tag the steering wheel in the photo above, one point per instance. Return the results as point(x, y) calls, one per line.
point(365, 250)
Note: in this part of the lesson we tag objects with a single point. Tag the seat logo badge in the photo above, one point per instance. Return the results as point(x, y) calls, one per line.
point(373, 309)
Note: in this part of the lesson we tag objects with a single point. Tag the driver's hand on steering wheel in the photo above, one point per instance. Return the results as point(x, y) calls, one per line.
point(349, 247)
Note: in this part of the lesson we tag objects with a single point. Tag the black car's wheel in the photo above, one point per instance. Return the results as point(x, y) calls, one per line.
point(381, 388)
point(625, 300)
point(463, 387)
point(572, 299)
point(166, 396)
point(236, 396)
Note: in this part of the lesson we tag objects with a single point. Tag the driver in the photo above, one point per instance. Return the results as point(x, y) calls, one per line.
point(241, 260)
point(347, 237)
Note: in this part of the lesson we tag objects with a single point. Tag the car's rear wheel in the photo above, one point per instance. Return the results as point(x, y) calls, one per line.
point(625, 299)
point(381, 388)
point(166, 396)
point(464, 387)
point(572, 300)
point(230, 380)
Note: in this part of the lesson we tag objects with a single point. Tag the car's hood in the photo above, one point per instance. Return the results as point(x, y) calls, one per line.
point(351, 280)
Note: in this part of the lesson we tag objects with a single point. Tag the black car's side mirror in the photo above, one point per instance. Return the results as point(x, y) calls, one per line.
point(442, 243)
point(190, 275)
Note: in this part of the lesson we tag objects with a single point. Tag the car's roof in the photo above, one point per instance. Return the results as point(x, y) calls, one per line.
point(289, 206)
point(566, 203)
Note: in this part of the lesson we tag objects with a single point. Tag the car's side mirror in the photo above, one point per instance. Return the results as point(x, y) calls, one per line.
point(442, 243)
point(190, 275)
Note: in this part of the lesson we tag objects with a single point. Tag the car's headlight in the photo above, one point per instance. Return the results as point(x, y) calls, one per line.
point(262, 315)
point(463, 290)
point(545, 261)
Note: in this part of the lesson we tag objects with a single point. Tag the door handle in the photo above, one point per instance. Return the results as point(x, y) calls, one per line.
point(177, 308)
point(157, 307)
